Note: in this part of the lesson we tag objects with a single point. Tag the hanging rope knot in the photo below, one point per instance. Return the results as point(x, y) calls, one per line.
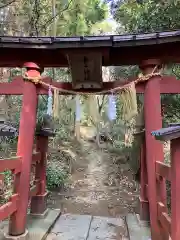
point(144, 77)
point(35, 80)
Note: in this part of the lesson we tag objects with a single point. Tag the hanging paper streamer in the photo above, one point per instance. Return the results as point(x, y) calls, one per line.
point(49, 105)
point(129, 102)
point(78, 109)
point(56, 104)
point(112, 107)
point(93, 109)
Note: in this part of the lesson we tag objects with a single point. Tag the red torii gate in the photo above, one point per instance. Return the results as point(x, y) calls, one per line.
point(113, 50)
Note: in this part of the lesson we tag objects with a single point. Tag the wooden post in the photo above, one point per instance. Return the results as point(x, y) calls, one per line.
point(175, 189)
point(38, 202)
point(144, 203)
point(25, 147)
point(154, 149)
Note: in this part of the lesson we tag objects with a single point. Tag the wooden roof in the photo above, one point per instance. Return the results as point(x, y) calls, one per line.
point(6, 130)
point(166, 134)
point(115, 49)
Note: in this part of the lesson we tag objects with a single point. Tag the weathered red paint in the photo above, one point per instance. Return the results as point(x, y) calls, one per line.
point(34, 189)
point(144, 203)
point(154, 149)
point(25, 146)
point(10, 164)
point(9, 208)
point(32, 65)
point(175, 190)
point(36, 157)
point(153, 170)
point(16, 86)
point(163, 170)
point(38, 202)
point(165, 220)
point(168, 84)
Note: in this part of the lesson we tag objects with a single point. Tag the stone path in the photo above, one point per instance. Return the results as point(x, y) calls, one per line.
point(87, 227)
point(101, 186)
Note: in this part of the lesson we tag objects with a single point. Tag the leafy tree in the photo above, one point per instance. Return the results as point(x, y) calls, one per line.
point(36, 18)
point(81, 17)
point(152, 16)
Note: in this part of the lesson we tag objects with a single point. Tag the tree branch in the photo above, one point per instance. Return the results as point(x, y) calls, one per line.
point(7, 4)
point(53, 17)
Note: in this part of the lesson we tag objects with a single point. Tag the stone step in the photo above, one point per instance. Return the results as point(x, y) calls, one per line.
point(87, 227)
point(38, 227)
point(137, 229)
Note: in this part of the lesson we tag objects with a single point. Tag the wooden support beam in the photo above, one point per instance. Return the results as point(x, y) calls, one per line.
point(168, 85)
point(146, 191)
point(154, 149)
point(163, 170)
point(175, 192)
point(34, 189)
point(9, 208)
point(164, 219)
point(15, 87)
point(36, 157)
point(10, 164)
point(144, 203)
point(39, 201)
point(25, 148)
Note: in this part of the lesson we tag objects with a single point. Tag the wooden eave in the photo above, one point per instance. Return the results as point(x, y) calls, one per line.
point(115, 49)
point(166, 134)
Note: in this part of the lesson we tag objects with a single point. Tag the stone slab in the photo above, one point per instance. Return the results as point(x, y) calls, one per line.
point(136, 230)
point(107, 228)
point(71, 227)
point(24, 236)
point(38, 228)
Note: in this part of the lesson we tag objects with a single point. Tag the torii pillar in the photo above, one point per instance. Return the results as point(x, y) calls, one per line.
point(154, 149)
point(17, 226)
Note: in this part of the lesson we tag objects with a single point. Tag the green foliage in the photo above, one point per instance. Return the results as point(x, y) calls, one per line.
point(6, 190)
point(81, 17)
point(56, 176)
point(150, 16)
point(171, 106)
point(8, 177)
point(124, 72)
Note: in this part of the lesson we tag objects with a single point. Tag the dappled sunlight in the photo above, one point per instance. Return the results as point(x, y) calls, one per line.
point(87, 132)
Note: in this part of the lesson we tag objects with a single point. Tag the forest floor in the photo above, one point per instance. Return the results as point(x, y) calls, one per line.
point(101, 184)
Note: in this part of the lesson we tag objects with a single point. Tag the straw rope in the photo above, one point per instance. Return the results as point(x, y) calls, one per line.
point(127, 94)
point(141, 78)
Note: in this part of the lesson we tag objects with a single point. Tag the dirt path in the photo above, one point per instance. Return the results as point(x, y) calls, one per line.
point(102, 185)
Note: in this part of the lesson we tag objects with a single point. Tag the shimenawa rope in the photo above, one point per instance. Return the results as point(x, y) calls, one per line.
point(128, 93)
point(141, 78)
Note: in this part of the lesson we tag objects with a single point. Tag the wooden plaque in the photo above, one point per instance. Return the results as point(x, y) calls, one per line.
point(86, 70)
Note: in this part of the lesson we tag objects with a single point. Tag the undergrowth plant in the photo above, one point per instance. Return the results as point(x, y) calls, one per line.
point(6, 187)
point(56, 176)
